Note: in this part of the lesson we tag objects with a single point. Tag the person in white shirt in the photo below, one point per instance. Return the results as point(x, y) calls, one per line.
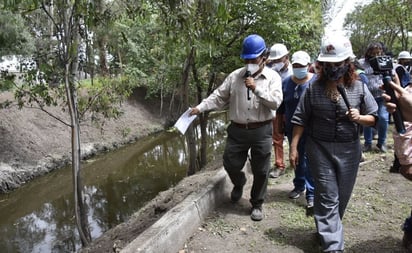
point(251, 93)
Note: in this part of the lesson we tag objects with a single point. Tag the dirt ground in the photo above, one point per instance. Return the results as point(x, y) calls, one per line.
point(372, 223)
point(32, 144)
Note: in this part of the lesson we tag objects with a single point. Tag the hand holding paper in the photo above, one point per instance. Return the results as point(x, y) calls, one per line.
point(184, 121)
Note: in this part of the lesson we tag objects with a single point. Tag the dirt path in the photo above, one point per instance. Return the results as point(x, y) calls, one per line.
point(380, 203)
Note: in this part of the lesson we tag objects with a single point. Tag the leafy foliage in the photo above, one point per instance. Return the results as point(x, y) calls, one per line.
point(387, 21)
point(156, 43)
point(14, 35)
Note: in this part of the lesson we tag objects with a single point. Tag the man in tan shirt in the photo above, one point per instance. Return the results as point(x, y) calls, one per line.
point(251, 93)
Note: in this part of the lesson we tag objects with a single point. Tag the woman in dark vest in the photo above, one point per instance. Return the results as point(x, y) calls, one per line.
point(331, 112)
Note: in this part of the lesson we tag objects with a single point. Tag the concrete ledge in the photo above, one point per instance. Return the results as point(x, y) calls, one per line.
point(171, 232)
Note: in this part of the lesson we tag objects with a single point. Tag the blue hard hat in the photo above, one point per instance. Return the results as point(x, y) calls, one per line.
point(253, 46)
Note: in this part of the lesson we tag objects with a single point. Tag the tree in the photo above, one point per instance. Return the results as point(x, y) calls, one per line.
point(59, 67)
point(387, 21)
point(15, 38)
point(207, 35)
point(180, 50)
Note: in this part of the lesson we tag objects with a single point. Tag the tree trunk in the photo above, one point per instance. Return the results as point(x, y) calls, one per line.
point(203, 118)
point(71, 40)
point(190, 138)
point(101, 38)
point(81, 221)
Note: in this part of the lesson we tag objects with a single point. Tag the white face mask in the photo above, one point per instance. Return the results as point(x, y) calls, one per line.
point(278, 66)
point(252, 67)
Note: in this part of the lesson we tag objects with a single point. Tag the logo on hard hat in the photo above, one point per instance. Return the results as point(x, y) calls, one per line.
point(330, 49)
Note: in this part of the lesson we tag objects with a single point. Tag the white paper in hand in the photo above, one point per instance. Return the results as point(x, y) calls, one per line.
point(184, 121)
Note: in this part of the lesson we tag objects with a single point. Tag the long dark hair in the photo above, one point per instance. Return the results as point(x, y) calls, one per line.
point(371, 47)
point(349, 77)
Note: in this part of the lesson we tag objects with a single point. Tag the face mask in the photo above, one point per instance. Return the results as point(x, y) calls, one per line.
point(253, 68)
point(300, 73)
point(278, 66)
point(335, 73)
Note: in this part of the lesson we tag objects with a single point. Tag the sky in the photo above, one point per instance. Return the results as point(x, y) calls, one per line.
point(338, 13)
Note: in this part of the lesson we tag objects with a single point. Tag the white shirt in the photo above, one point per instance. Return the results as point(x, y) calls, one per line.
point(266, 97)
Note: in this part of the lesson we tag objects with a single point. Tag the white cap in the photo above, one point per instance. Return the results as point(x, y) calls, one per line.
point(277, 51)
point(404, 55)
point(301, 57)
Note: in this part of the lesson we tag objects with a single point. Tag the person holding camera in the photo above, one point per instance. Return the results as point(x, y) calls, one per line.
point(403, 145)
point(252, 93)
point(330, 113)
point(375, 49)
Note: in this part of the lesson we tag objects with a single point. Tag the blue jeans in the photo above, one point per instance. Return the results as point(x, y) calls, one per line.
point(382, 125)
point(303, 177)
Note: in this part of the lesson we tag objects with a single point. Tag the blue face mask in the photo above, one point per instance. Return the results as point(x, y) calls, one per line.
point(300, 73)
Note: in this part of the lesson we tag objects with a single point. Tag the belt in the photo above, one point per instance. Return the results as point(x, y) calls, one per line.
point(251, 125)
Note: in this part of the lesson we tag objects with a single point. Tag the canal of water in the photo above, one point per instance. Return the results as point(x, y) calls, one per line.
point(39, 217)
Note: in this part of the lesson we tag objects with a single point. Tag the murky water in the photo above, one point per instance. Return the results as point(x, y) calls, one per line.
point(39, 217)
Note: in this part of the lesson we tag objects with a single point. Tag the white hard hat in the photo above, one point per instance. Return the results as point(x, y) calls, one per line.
point(277, 51)
point(301, 57)
point(335, 48)
point(404, 55)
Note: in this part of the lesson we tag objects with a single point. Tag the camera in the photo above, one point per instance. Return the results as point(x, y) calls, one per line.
point(381, 65)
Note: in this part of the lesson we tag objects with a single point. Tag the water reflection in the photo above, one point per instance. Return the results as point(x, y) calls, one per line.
point(39, 217)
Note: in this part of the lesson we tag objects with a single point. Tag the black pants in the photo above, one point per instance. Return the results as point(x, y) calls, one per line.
point(238, 143)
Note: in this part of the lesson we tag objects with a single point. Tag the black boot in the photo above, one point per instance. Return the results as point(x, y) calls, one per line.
point(395, 166)
point(407, 234)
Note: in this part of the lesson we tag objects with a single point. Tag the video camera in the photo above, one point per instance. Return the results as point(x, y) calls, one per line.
point(383, 65)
